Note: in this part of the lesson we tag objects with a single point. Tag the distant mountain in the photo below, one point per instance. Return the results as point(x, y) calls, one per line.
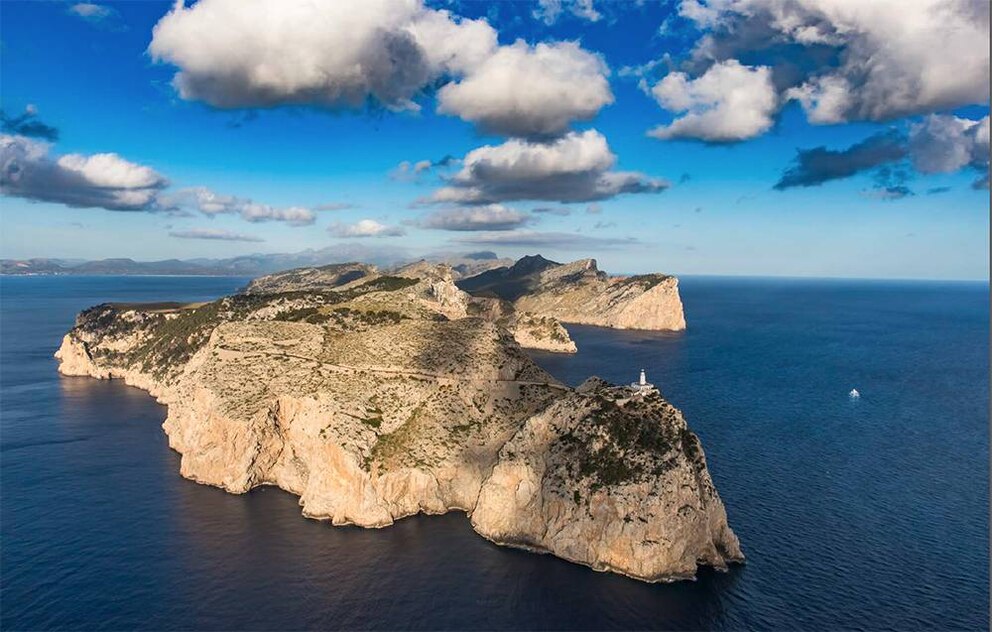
point(579, 292)
point(509, 282)
point(110, 267)
point(248, 265)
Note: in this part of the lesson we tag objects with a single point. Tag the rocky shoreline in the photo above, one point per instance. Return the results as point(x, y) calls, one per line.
point(375, 414)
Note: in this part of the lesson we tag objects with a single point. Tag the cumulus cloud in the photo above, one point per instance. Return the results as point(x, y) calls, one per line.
point(557, 240)
point(942, 144)
point(574, 168)
point(27, 170)
point(729, 102)
point(875, 60)
point(365, 228)
point(211, 203)
point(818, 165)
point(265, 53)
point(333, 54)
point(217, 234)
point(523, 90)
point(493, 217)
point(293, 215)
point(27, 124)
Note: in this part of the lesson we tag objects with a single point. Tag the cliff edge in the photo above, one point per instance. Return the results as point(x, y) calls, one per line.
point(579, 292)
point(375, 400)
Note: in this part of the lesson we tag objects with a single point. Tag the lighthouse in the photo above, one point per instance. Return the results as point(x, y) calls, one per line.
point(642, 386)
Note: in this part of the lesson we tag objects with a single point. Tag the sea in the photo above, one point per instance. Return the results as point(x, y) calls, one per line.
point(868, 513)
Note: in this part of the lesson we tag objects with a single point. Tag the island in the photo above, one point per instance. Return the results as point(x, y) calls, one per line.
point(378, 395)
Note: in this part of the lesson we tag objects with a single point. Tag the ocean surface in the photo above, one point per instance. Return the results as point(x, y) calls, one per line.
point(854, 514)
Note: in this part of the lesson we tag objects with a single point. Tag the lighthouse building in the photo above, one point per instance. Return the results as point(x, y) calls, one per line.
point(642, 386)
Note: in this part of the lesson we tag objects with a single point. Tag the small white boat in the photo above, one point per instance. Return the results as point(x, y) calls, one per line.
point(854, 394)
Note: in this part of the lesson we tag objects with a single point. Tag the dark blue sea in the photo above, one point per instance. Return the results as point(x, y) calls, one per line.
point(866, 514)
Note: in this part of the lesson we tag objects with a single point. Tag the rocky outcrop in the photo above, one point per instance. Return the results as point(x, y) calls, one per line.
point(371, 410)
point(579, 292)
point(540, 332)
point(612, 480)
point(531, 331)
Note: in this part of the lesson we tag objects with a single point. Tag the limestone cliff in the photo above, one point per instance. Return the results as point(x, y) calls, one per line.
point(612, 480)
point(579, 292)
point(371, 405)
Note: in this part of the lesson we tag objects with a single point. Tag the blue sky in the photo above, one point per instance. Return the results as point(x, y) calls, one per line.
point(88, 74)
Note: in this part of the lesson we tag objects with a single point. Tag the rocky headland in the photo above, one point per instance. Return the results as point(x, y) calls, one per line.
point(377, 396)
point(579, 292)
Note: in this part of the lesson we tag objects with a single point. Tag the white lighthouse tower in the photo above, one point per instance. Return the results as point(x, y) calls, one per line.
point(642, 386)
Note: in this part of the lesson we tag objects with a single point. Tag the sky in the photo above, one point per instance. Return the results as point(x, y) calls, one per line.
point(828, 138)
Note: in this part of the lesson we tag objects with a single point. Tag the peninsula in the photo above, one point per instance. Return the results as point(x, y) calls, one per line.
point(373, 396)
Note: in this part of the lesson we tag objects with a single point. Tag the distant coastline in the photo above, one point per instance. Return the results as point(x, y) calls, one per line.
point(252, 265)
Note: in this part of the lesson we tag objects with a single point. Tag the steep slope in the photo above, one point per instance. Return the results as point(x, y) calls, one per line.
point(320, 278)
point(579, 292)
point(612, 480)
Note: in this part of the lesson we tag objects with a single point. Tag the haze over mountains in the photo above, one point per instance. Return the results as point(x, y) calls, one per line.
point(246, 265)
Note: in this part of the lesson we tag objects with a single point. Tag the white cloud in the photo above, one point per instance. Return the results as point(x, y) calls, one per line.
point(343, 54)
point(487, 217)
point(548, 11)
point(86, 181)
point(211, 203)
point(293, 215)
point(941, 144)
point(408, 171)
point(524, 90)
point(91, 11)
point(574, 168)
point(729, 102)
point(826, 99)
point(893, 58)
point(365, 228)
point(215, 234)
point(259, 53)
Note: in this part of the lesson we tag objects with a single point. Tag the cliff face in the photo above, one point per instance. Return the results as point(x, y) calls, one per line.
point(372, 408)
point(612, 480)
point(579, 292)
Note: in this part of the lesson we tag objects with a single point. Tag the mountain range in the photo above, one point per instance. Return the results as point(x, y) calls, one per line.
point(246, 265)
